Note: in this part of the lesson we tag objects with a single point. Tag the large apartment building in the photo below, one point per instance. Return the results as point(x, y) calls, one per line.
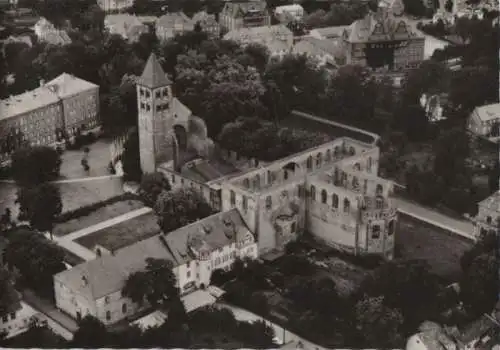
point(383, 40)
point(55, 110)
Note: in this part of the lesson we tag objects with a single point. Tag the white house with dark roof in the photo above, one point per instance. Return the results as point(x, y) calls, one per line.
point(483, 119)
point(196, 250)
point(488, 215)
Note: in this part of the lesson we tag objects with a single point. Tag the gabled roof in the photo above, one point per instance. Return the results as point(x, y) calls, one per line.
point(105, 275)
point(488, 112)
point(67, 85)
point(234, 8)
point(169, 20)
point(153, 75)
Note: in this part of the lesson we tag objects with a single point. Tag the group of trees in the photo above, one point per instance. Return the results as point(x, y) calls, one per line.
point(39, 200)
point(36, 258)
point(263, 140)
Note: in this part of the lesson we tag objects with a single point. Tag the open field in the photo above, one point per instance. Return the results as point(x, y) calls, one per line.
point(441, 249)
point(122, 234)
point(102, 214)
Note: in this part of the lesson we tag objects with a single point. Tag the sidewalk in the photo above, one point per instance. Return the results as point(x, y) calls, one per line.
point(460, 227)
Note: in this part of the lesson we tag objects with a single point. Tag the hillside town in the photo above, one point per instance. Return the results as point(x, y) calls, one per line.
point(249, 174)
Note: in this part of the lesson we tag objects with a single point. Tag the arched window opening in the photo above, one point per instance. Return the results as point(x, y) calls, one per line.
point(319, 158)
point(124, 308)
point(335, 201)
point(245, 204)
point(309, 163)
point(233, 198)
point(246, 183)
point(355, 183)
point(328, 156)
point(391, 228)
point(375, 231)
point(269, 202)
point(313, 193)
point(347, 206)
point(323, 196)
point(352, 151)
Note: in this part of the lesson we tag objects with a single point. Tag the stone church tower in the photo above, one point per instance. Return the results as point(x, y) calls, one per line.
point(157, 141)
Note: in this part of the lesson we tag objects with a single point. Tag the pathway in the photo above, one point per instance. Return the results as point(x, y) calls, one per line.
point(66, 181)
point(68, 243)
point(460, 227)
point(283, 334)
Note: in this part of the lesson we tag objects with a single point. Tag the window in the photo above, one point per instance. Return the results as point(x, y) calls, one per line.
point(106, 300)
point(336, 151)
point(375, 231)
point(313, 193)
point(108, 315)
point(188, 274)
point(323, 196)
point(369, 165)
point(285, 175)
point(488, 220)
point(148, 94)
point(269, 177)
point(347, 206)
point(319, 158)
point(390, 228)
point(12, 315)
point(173, 178)
point(335, 201)
point(257, 181)
point(5, 318)
point(233, 198)
point(309, 163)
point(124, 308)
point(148, 107)
point(269, 202)
point(379, 190)
point(246, 183)
point(141, 92)
point(379, 202)
point(293, 227)
point(158, 93)
point(355, 183)
point(245, 203)
point(328, 155)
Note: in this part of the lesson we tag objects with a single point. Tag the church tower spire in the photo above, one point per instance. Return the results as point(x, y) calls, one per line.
point(154, 97)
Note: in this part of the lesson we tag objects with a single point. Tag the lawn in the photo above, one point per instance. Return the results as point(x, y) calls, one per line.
point(298, 122)
point(441, 249)
point(108, 212)
point(122, 234)
point(79, 194)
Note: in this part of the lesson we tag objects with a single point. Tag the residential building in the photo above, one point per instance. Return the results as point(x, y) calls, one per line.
point(47, 32)
point(331, 191)
point(433, 106)
point(127, 26)
point(95, 287)
point(172, 24)
point(326, 52)
point(18, 319)
point(289, 12)
point(278, 38)
point(110, 6)
point(46, 114)
point(384, 40)
point(488, 216)
point(244, 14)
point(208, 23)
point(484, 119)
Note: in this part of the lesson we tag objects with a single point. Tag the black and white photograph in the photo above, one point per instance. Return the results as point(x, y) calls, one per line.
point(250, 174)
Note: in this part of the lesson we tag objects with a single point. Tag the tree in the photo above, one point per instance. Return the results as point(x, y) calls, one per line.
point(151, 187)
point(130, 158)
point(156, 284)
point(40, 205)
point(34, 165)
point(398, 282)
point(9, 298)
point(36, 258)
point(479, 281)
point(179, 208)
point(378, 325)
point(91, 333)
point(38, 335)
